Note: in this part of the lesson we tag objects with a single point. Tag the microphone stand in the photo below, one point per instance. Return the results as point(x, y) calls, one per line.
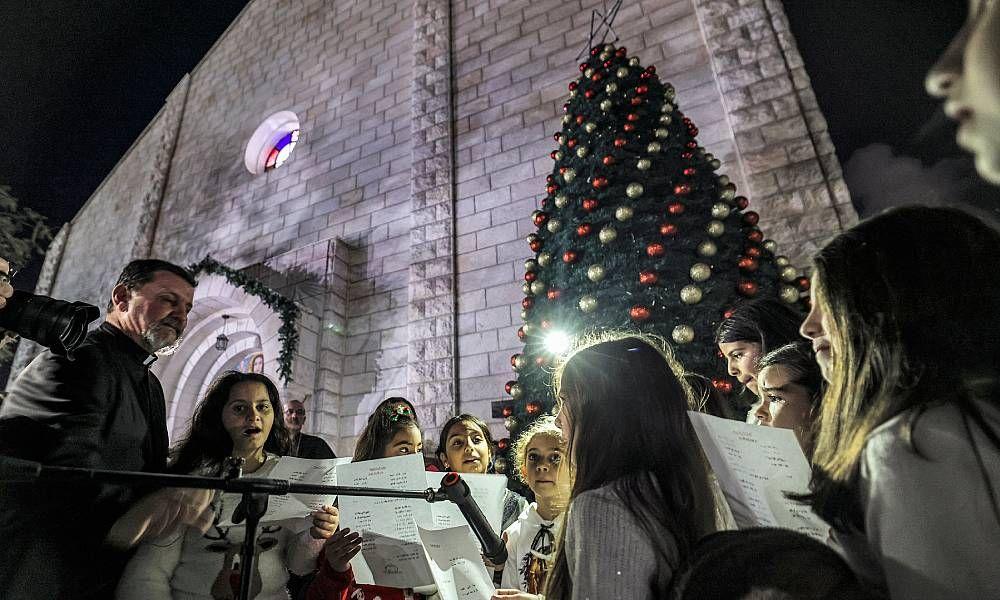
point(254, 490)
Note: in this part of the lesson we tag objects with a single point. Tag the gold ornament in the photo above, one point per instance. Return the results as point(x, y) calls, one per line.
point(633, 190)
point(715, 163)
point(623, 213)
point(608, 48)
point(606, 105)
point(510, 423)
point(707, 248)
point(544, 259)
point(590, 127)
point(604, 56)
point(728, 191)
point(529, 329)
point(561, 201)
point(572, 93)
point(669, 92)
point(683, 334)
point(524, 315)
point(720, 210)
point(588, 73)
point(667, 107)
point(723, 180)
point(582, 151)
point(561, 139)
point(538, 287)
point(520, 362)
point(531, 265)
point(566, 119)
point(607, 235)
point(622, 73)
point(782, 261)
point(700, 272)
point(691, 294)
point(662, 133)
point(789, 294)
point(643, 164)
point(554, 225)
point(595, 273)
point(526, 288)
point(569, 175)
point(715, 228)
point(516, 391)
point(788, 273)
point(666, 119)
point(588, 304)
point(559, 155)
point(653, 147)
point(611, 88)
point(771, 246)
point(634, 61)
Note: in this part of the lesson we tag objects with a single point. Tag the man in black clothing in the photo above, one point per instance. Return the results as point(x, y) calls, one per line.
point(303, 445)
point(103, 409)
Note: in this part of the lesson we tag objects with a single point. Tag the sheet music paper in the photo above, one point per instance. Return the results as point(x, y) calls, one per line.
point(487, 490)
point(755, 466)
point(455, 563)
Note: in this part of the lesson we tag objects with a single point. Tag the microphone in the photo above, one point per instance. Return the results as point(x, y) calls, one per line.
point(458, 492)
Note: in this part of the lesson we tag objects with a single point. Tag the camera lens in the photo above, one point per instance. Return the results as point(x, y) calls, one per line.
point(56, 324)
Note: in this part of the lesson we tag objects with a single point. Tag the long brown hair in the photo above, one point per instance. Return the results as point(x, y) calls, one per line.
point(911, 297)
point(623, 396)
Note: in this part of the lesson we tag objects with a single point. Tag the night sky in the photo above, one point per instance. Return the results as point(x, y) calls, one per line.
point(82, 78)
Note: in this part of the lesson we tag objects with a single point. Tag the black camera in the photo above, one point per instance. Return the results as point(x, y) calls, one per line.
point(58, 325)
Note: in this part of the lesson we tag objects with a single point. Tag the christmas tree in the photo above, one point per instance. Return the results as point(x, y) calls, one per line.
point(636, 231)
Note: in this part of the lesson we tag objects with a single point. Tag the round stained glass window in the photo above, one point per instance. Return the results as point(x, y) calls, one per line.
point(272, 142)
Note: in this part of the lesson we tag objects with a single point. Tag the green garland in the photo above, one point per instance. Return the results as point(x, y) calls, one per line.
point(287, 310)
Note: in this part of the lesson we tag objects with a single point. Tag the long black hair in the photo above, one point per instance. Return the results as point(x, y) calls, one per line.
point(769, 322)
point(627, 408)
point(207, 443)
point(383, 425)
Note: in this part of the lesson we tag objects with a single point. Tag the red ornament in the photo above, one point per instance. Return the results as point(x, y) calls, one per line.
point(668, 228)
point(632, 117)
point(503, 444)
point(620, 142)
point(742, 202)
point(527, 303)
point(687, 155)
point(556, 136)
point(651, 69)
point(802, 283)
point(540, 360)
point(571, 143)
point(608, 63)
point(756, 236)
point(628, 127)
point(752, 251)
point(747, 264)
point(724, 386)
point(540, 218)
point(520, 333)
point(551, 189)
point(609, 160)
point(600, 183)
point(507, 411)
point(675, 208)
point(690, 171)
point(596, 76)
point(590, 204)
point(583, 230)
point(550, 179)
point(595, 50)
point(751, 218)
point(530, 276)
point(533, 407)
point(639, 312)
point(570, 256)
point(642, 89)
point(648, 277)
point(552, 154)
point(562, 171)
point(580, 119)
point(566, 107)
point(588, 94)
point(508, 385)
point(693, 132)
point(635, 101)
point(513, 358)
point(727, 314)
point(692, 144)
point(655, 249)
point(621, 52)
point(682, 189)
point(748, 288)
point(553, 294)
point(583, 67)
point(573, 85)
point(536, 244)
point(644, 75)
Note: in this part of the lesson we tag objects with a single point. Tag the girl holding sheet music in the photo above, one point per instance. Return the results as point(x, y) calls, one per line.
point(907, 459)
point(642, 493)
point(391, 431)
point(240, 417)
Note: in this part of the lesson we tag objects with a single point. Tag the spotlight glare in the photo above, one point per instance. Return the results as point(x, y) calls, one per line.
point(557, 342)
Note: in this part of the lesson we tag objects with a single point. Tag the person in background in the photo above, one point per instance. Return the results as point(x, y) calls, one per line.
point(907, 454)
point(642, 495)
point(6, 290)
point(102, 410)
point(466, 446)
point(791, 387)
point(753, 329)
point(966, 78)
point(539, 452)
point(303, 445)
point(240, 418)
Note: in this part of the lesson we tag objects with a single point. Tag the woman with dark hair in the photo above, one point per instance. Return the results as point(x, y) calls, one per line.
point(466, 446)
point(791, 386)
point(753, 329)
point(642, 494)
point(240, 418)
point(907, 459)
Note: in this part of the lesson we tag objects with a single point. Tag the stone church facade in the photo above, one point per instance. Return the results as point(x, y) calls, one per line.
point(398, 224)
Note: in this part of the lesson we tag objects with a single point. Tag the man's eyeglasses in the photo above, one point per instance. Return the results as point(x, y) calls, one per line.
point(295, 411)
